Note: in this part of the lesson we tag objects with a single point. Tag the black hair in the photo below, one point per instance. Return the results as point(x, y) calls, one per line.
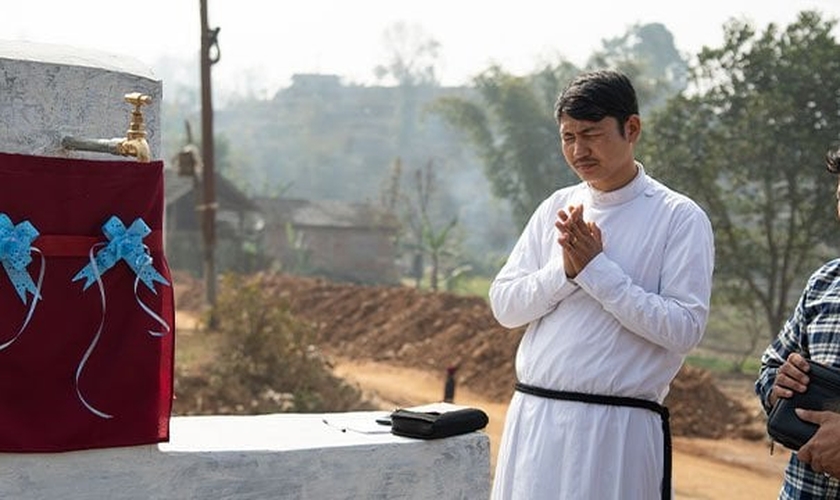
point(595, 95)
point(832, 161)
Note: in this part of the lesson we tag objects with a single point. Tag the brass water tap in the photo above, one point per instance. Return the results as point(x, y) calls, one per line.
point(135, 143)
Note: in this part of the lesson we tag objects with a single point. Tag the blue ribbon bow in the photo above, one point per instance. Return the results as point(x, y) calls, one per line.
point(124, 244)
point(15, 247)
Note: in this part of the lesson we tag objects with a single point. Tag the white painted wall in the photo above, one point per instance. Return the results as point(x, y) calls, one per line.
point(48, 92)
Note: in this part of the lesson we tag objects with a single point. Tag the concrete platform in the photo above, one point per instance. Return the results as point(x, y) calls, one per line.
point(279, 456)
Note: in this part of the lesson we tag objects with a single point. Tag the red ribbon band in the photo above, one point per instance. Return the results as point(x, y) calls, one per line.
point(59, 245)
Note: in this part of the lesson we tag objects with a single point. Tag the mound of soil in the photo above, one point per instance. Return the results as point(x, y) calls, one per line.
point(436, 330)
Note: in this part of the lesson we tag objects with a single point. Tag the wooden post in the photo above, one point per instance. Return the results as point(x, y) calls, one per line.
point(209, 205)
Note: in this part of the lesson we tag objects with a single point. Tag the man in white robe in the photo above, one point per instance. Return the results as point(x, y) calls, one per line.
point(613, 277)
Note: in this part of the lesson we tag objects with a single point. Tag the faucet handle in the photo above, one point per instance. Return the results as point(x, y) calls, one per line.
point(137, 99)
point(136, 128)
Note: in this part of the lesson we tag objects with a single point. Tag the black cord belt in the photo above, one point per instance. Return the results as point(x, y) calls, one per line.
point(600, 399)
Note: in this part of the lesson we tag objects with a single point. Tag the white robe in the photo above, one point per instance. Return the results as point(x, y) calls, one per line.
point(622, 327)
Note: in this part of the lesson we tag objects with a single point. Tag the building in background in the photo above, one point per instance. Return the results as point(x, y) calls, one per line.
point(339, 240)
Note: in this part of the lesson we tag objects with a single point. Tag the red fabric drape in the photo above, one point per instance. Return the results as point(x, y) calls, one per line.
point(128, 373)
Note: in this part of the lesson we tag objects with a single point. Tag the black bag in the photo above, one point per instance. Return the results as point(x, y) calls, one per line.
point(823, 393)
point(433, 425)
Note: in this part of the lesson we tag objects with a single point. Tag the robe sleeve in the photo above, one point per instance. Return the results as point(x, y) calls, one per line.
point(674, 316)
point(533, 281)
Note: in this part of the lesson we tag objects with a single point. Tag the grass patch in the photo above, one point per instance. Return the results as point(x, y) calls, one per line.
point(477, 286)
point(723, 364)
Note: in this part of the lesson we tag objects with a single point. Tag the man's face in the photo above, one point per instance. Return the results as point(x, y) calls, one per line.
point(597, 151)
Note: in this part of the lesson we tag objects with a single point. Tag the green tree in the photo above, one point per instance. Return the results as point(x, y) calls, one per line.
point(646, 52)
point(412, 56)
point(749, 144)
point(411, 61)
point(426, 237)
point(511, 125)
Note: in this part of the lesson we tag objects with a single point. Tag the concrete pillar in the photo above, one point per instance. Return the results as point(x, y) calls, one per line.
point(51, 91)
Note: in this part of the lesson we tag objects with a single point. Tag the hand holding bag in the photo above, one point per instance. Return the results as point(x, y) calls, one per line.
point(823, 393)
point(434, 425)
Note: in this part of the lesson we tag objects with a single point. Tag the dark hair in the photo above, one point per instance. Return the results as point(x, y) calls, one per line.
point(832, 161)
point(595, 95)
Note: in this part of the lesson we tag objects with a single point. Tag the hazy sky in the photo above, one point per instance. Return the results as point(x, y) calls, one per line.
point(264, 42)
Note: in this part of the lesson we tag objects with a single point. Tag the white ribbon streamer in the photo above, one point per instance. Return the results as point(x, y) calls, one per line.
point(35, 300)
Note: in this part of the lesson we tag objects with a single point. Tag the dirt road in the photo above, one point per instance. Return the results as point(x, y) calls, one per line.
point(703, 469)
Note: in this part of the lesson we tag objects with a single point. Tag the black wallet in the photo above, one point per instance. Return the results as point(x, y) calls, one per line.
point(434, 425)
point(823, 393)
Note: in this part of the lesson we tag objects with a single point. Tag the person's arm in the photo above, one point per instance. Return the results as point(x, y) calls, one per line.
point(673, 317)
point(784, 350)
point(822, 451)
point(533, 280)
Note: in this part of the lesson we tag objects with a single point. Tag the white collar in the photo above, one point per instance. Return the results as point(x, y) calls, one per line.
point(623, 194)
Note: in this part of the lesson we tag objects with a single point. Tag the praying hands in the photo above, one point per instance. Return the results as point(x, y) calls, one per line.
point(581, 240)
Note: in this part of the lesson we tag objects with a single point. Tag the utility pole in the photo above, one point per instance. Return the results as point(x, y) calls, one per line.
point(209, 40)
